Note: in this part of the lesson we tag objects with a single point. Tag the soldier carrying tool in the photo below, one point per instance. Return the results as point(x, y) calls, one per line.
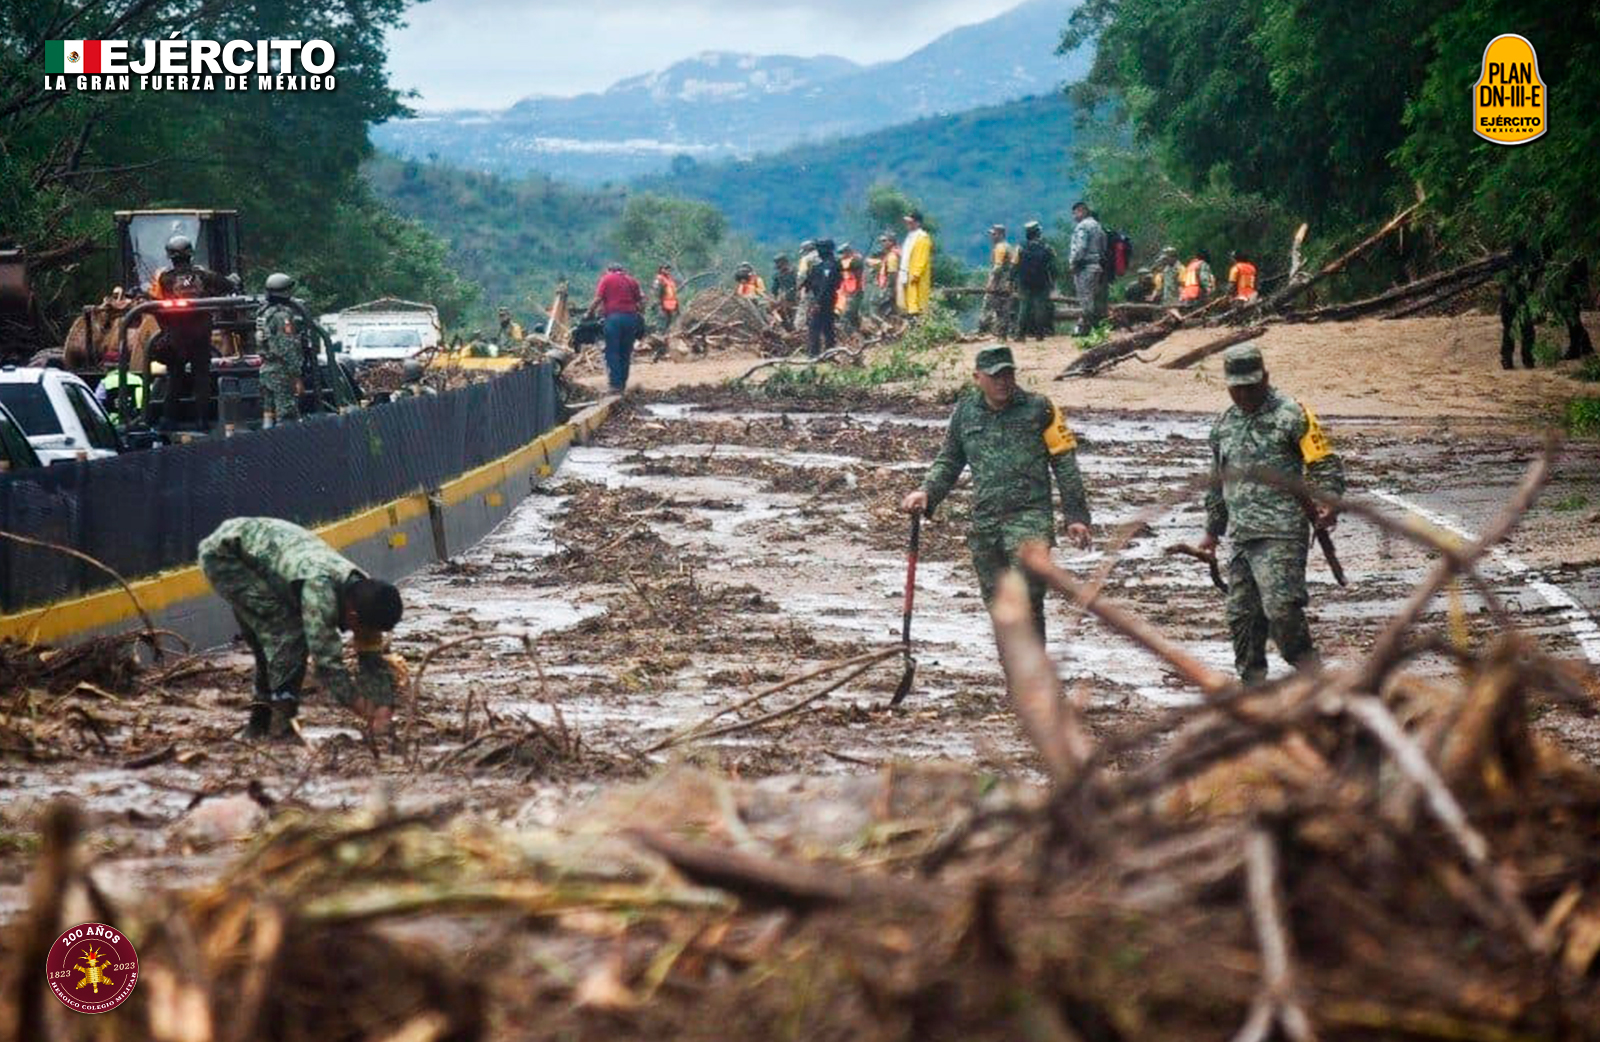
point(1015, 441)
point(291, 594)
point(1270, 432)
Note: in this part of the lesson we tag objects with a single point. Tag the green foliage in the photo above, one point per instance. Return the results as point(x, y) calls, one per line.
point(1543, 192)
point(289, 162)
point(516, 238)
point(1575, 501)
point(1239, 120)
point(937, 327)
point(656, 230)
point(1097, 336)
point(1007, 163)
point(1582, 417)
point(1546, 352)
point(1590, 369)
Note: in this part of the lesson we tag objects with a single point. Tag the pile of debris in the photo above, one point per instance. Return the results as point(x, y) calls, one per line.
point(1343, 854)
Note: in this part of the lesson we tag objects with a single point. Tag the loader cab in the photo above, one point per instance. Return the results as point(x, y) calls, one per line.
point(142, 243)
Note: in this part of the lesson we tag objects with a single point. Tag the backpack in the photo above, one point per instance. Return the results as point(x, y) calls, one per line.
point(1119, 251)
point(1033, 265)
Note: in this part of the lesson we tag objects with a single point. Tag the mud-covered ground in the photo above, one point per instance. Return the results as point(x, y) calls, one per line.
point(706, 546)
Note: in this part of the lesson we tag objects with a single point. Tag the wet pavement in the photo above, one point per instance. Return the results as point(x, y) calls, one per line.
point(692, 556)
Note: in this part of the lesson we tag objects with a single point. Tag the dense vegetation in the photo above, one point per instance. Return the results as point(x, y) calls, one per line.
point(1251, 116)
point(289, 162)
point(1007, 163)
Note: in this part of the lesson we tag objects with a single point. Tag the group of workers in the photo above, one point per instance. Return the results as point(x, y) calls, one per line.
point(1174, 284)
point(1566, 293)
point(184, 347)
point(1273, 474)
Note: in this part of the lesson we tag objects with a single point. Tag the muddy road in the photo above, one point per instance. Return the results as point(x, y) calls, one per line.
point(706, 546)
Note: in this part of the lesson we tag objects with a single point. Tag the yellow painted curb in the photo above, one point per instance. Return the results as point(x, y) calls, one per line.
point(63, 620)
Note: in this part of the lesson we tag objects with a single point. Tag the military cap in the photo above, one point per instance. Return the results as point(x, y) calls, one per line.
point(1030, 226)
point(847, 248)
point(1144, 271)
point(1169, 251)
point(998, 228)
point(807, 244)
point(993, 360)
point(1243, 365)
point(780, 258)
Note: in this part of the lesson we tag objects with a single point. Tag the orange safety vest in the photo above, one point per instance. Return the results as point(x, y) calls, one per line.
point(849, 285)
point(1243, 278)
point(890, 266)
point(1191, 280)
point(753, 287)
point(669, 292)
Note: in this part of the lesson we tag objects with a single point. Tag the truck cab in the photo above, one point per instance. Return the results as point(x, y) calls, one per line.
point(58, 413)
point(16, 452)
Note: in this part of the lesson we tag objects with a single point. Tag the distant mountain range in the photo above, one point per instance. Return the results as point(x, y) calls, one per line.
point(719, 105)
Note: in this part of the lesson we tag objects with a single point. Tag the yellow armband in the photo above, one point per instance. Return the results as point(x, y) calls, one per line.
point(1057, 437)
point(1314, 446)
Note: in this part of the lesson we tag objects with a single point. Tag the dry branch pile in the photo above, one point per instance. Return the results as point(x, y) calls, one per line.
point(1345, 854)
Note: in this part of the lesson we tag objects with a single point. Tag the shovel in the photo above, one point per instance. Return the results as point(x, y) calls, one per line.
point(905, 622)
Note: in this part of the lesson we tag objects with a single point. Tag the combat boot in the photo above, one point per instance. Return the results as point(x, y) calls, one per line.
point(260, 722)
point(283, 727)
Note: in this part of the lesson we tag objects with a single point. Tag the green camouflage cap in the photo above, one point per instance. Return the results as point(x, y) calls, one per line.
point(1030, 226)
point(1243, 365)
point(993, 360)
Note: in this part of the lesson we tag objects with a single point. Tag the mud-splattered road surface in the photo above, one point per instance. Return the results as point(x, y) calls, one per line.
point(705, 547)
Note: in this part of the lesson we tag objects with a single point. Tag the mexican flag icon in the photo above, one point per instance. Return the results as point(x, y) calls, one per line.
point(71, 56)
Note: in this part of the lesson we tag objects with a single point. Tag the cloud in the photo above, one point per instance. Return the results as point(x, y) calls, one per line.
point(489, 53)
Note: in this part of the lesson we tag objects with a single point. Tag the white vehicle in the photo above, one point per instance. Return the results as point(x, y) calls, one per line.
point(59, 414)
point(387, 330)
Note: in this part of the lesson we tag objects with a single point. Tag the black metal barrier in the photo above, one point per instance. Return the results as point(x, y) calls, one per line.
point(145, 512)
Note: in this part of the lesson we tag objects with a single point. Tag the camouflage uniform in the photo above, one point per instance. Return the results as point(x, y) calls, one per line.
point(281, 359)
point(1517, 283)
point(1566, 306)
point(1171, 274)
point(284, 585)
point(1268, 527)
point(1086, 258)
point(999, 303)
point(1037, 311)
point(1013, 452)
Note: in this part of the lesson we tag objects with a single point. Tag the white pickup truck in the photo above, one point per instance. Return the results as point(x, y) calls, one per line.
point(58, 413)
point(387, 330)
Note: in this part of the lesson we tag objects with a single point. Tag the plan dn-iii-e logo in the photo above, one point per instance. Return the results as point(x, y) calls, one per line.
point(1509, 102)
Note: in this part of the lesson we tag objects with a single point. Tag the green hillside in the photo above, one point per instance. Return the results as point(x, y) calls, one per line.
point(513, 236)
point(1005, 163)
point(516, 236)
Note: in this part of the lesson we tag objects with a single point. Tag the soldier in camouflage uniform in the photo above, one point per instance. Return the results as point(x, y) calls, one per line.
point(1169, 276)
point(1266, 430)
point(278, 341)
point(1014, 441)
point(1517, 284)
point(1567, 307)
point(291, 594)
point(1086, 258)
point(999, 300)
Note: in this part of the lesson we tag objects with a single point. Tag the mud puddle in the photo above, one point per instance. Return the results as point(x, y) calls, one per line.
point(694, 556)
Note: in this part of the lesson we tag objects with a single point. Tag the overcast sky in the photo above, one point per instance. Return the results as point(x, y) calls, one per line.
point(489, 53)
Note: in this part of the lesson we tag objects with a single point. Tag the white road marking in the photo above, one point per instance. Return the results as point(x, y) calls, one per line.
point(1577, 618)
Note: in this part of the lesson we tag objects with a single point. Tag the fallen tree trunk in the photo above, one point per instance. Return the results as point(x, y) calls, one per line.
point(1222, 343)
point(1297, 288)
point(1454, 280)
point(1116, 349)
point(1438, 298)
point(1098, 359)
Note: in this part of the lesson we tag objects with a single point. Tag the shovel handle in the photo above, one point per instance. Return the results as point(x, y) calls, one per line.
point(912, 547)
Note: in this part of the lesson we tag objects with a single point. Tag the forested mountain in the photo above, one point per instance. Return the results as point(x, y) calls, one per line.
point(1005, 163)
point(718, 106)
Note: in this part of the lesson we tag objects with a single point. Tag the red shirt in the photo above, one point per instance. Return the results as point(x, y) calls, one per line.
point(619, 292)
